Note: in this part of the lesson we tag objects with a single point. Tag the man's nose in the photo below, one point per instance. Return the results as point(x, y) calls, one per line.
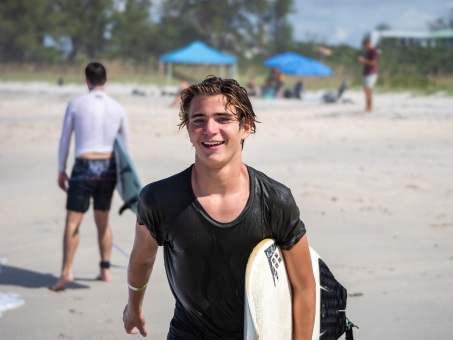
point(211, 126)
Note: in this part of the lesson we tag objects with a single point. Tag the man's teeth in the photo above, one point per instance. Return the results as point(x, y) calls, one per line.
point(212, 143)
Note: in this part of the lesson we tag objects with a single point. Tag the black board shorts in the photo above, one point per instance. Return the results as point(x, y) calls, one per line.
point(91, 178)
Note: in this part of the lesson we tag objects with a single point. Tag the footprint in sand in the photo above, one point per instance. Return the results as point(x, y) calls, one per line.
point(357, 294)
point(413, 186)
point(442, 225)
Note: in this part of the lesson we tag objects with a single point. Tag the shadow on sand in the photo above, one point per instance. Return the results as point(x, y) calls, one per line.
point(14, 276)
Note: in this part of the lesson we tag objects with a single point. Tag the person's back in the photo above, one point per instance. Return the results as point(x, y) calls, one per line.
point(96, 119)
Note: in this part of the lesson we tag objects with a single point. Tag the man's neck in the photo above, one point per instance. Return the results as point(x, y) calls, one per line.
point(223, 181)
point(96, 88)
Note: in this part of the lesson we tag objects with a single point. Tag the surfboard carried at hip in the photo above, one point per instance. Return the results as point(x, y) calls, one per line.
point(268, 299)
point(128, 184)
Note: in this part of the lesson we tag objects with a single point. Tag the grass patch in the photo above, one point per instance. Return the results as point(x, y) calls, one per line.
point(150, 74)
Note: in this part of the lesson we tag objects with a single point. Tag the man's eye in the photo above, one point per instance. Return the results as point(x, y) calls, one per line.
point(224, 120)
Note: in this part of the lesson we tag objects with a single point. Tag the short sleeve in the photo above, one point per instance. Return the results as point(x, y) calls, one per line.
point(147, 214)
point(289, 228)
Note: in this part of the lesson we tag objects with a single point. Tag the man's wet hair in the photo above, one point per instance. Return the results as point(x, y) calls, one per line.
point(95, 72)
point(235, 95)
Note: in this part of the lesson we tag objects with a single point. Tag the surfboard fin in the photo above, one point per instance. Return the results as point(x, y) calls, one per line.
point(349, 333)
point(130, 204)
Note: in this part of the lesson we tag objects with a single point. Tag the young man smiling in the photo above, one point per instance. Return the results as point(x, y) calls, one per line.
point(209, 217)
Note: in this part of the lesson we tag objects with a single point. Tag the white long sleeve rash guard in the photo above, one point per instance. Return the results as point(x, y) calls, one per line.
point(96, 119)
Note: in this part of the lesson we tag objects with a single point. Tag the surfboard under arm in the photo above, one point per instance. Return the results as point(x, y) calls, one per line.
point(268, 300)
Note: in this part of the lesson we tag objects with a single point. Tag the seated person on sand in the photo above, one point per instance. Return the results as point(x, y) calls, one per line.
point(177, 99)
point(252, 89)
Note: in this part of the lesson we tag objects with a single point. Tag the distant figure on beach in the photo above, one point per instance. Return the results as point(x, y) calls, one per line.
point(177, 99)
point(252, 88)
point(96, 119)
point(370, 72)
point(273, 86)
point(209, 217)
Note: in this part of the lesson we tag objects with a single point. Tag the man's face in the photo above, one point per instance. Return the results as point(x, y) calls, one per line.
point(215, 132)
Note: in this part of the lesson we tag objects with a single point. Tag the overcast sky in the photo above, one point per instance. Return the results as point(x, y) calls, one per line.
point(347, 21)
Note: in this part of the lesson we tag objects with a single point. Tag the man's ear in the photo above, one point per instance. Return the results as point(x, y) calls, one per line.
point(246, 128)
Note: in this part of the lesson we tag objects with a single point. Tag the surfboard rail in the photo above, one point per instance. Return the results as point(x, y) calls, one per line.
point(128, 184)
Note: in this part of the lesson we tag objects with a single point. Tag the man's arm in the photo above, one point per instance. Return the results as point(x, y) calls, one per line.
point(139, 271)
point(125, 132)
point(369, 62)
point(300, 273)
point(366, 61)
point(63, 148)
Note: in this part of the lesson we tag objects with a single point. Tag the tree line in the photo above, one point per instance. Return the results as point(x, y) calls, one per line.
point(50, 31)
point(53, 32)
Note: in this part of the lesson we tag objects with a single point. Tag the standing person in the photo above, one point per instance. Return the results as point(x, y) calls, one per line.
point(370, 72)
point(95, 119)
point(209, 217)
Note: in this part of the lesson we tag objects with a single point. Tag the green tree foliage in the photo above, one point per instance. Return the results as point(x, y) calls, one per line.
point(415, 60)
point(441, 23)
point(23, 27)
point(81, 24)
point(90, 29)
point(281, 28)
point(133, 35)
point(236, 26)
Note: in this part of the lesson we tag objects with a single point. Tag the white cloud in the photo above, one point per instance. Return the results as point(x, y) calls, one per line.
point(414, 19)
point(347, 21)
point(339, 35)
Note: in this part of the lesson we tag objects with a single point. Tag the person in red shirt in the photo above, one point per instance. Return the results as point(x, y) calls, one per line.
point(370, 72)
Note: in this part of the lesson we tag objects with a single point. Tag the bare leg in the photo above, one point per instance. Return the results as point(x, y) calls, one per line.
point(368, 99)
point(71, 239)
point(105, 240)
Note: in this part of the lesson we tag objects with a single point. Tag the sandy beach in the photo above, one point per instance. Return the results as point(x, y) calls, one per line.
point(375, 192)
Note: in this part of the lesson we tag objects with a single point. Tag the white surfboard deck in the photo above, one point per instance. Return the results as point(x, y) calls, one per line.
point(268, 300)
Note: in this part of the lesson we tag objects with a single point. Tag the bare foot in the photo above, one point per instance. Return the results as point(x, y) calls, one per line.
point(62, 283)
point(104, 275)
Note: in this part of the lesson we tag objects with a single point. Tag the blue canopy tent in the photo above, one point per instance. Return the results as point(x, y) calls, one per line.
point(197, 53)
point(293, 63)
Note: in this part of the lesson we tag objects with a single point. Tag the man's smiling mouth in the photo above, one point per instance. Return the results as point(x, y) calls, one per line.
point(209, 144)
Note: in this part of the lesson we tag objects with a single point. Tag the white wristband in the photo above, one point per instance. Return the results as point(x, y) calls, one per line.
point(137, 289)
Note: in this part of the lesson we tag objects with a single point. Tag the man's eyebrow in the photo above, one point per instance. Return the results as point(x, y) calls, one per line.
point(200, 114)
point(196, 115)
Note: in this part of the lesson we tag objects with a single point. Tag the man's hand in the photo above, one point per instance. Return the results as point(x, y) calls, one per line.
point(134, 323)
point(62, 181)
point(361, 59)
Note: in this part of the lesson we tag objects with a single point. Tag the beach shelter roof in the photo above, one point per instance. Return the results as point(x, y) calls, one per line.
point(198, 53)
point(293, 63)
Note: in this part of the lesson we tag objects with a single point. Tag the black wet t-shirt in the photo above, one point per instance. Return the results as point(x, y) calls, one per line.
point(206, 260)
